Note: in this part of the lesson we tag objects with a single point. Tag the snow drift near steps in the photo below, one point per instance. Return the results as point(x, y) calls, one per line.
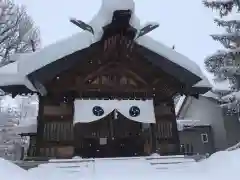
point(222, 165)
point(11, 171)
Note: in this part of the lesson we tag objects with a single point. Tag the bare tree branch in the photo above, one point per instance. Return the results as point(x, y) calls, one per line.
point(17, 31)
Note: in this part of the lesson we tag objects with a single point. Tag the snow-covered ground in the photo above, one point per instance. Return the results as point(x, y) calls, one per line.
point(220, 166)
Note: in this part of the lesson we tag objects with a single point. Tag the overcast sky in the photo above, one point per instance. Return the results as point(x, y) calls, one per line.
point(185, 23)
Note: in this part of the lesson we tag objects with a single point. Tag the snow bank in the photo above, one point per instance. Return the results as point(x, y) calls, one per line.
point(12, 171)
point(220, 166)
point(155, 155)
point(24, 129)
point(51, 173)
point(222, 163)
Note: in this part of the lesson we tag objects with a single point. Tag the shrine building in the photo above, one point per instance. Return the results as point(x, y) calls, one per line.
point(106, 91)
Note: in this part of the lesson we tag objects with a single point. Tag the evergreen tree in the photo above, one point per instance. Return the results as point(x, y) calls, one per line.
point(225, 63)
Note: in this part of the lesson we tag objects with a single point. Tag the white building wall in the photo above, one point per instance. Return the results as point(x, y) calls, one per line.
point(208, 112)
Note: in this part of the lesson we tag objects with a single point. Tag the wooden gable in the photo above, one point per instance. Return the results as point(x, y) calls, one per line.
point(112, 80)
point(117, 46)
point(114, 76)
point(113, 65)
point(104, 72)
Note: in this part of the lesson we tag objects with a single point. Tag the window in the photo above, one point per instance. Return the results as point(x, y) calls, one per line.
point(182, 149)
point(204, 138)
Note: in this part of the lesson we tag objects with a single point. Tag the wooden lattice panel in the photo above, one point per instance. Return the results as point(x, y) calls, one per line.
point(58, 131)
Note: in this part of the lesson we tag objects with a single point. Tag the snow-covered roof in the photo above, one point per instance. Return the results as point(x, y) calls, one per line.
point(203, 83)
point(9, 68)
point(181, 123)
point(210, 94)
point(7, 80)
point(83, 40)
point(32, 128)
point(191, 122)
point(31, 62)
point(222, 86)
point(9, 75)
point(171, 55)
point(54, 52)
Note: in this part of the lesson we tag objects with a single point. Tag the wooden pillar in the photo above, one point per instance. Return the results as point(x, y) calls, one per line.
point(40, 124)
point(164, 132)
point(153, 138)
point(31, 152)
point(175, 130)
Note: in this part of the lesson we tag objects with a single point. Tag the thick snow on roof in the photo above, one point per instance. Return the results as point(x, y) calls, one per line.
point(9, 68)
point(83, 40)
point(21, 129)
point(10, 75)
point(182, 123)
point(78, 41)
point(30, 62)
point(15, 79)
point(210, 94)
point(54, 52)
point(170, 54)
point(191, 122)
point(203, 83)
point(19, 56)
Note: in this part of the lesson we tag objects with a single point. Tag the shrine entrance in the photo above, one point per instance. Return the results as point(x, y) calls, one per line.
point(119, 65)
point(118, 147)
point(109, 137)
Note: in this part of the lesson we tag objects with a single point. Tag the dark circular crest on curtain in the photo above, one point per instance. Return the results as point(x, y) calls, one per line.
point(134, 111)
point(98, 111)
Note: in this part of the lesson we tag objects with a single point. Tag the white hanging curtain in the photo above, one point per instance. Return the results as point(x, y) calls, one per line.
point(136, 110)
point(83, 110)
point(146, 113)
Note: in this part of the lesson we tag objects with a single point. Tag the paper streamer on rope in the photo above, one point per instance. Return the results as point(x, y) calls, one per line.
point(83, 110)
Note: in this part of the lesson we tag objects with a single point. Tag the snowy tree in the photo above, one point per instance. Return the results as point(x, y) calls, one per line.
point(223, 6)
point(10, 142)
point(22, 113)
point(224, 64)
point(18, 33)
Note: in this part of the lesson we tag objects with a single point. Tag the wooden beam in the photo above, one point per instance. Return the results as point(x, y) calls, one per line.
point(98, 72)
point(40, 125)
